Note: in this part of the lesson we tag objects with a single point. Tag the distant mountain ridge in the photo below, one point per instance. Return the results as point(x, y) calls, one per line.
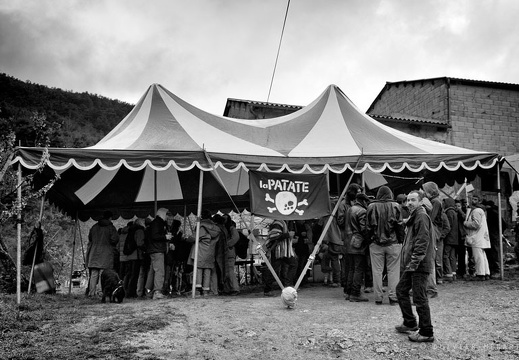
point(85, 118)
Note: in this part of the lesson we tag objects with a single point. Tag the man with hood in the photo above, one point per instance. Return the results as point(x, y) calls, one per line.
point(156, 248)
point(416, 264)
point(385, 232)
point(450, 242)
point(102, 239)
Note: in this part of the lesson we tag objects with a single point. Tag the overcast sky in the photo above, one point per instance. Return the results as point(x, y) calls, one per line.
point(206, 51)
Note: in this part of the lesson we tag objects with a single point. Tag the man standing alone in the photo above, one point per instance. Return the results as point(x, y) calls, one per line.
point(416, 264)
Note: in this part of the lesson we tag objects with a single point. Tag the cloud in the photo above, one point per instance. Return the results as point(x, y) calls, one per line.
point(206, 51)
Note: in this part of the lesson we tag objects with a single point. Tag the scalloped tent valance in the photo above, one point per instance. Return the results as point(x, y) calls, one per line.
point(167, 139)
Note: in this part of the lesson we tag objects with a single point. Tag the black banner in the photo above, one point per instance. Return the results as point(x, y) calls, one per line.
point(289, 196)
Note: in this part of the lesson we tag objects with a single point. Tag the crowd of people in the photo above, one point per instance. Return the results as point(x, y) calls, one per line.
point(412, 243)
point(155, 259)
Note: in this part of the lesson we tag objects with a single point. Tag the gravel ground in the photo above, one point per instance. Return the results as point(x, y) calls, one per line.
point(472, 320)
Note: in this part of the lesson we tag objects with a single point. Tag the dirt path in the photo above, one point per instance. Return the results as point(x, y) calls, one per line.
point(472, 320)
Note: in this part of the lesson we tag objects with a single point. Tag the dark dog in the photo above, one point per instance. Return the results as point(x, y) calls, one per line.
point(112, 286)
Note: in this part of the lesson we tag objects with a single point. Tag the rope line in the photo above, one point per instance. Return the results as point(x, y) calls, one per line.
point(279, 48)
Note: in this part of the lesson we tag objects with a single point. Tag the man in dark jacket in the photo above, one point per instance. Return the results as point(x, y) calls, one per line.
point(493, 232)
point(383, 216)
point(416, 264)
point(355, 248)
point(157, 246)
point(102, 239)
point(450, 242)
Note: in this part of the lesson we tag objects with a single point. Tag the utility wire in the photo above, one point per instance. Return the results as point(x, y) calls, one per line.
point(279, 48)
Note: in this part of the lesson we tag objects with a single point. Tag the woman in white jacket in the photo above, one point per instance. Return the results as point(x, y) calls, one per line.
point(478, 238)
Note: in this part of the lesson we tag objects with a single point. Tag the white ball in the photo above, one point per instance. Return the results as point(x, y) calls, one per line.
point(289, 297)
point(245, 232)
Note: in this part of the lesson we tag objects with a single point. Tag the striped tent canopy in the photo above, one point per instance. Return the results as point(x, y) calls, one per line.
point(157, 151)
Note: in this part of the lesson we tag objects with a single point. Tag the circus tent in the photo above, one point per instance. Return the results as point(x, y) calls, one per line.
point(156, 152)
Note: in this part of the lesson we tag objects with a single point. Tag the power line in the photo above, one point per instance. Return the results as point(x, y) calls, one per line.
point(279, 48)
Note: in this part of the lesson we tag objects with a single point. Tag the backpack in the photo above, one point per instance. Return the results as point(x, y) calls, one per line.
point(130, 245)
point(242, 246)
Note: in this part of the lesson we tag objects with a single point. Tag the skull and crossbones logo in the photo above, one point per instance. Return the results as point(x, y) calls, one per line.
point(286, 203)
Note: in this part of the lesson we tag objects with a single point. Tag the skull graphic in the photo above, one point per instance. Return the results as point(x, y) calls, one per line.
point(286, 202)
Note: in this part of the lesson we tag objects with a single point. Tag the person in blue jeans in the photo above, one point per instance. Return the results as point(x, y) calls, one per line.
point(385, 233)
point(416, 264)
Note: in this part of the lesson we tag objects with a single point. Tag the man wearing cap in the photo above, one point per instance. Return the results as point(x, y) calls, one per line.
point(102, 238)
point(157, 247)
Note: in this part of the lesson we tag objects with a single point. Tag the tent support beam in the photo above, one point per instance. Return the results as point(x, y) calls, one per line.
point(155, 191)
point(197, 233)
point(19, 238)
point(73, 255)
point(36, 247)
point(501, 269)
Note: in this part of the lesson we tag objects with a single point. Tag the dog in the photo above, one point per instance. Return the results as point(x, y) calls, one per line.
point(112, 287)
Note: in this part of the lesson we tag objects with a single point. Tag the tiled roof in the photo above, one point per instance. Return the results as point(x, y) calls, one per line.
point(261, 103)
point(495, 84)
point(409, 119)
point(451, 80)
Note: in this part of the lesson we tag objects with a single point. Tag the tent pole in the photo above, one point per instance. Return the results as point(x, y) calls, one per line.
point(81, 241)
point(73, 254)
point(262, 253)
point(19, 235)
point(197, 233)
point(36, 247)
point(155, 191)
point(185, 216)
point(501, 269)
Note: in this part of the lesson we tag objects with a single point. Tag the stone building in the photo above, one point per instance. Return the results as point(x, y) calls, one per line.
point(252, 110)
point(474, 114)
point(478, 115)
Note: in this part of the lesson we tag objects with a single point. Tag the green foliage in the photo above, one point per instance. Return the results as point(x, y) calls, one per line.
point(84, 118)
point(35, 115)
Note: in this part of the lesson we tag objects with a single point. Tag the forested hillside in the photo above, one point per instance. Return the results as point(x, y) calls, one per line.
point(36, 115)
point(77, 119)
